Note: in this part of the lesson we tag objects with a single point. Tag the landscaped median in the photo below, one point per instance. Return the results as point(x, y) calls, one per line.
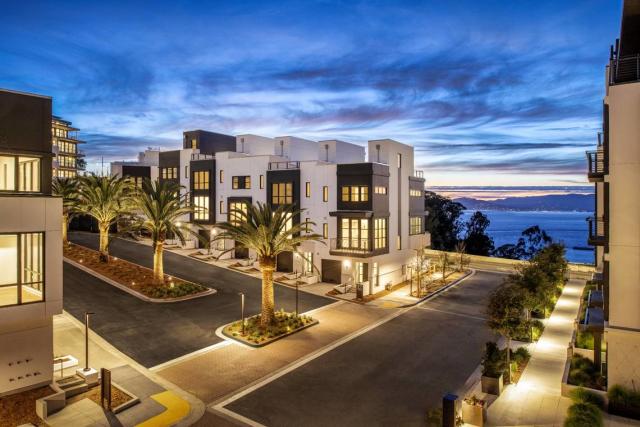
point(133, 278)
point(255, 335)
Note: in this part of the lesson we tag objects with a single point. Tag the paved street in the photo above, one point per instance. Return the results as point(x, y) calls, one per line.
point(155, 333)
point(388, 376)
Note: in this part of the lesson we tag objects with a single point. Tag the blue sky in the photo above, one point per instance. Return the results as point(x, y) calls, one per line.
point(488, 92)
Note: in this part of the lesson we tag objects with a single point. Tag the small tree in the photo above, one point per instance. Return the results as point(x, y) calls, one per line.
point(443, 264)
point(67, 189)
point(505, 315)
point(158, 208)
point(105, 199)
point(421, 266)
point(461, 251)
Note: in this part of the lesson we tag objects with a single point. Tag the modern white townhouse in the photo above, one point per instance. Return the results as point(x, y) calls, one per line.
point(370, 211)
point(614, 167)
point(30, 243)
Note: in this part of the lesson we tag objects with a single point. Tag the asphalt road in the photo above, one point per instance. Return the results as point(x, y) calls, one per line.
point(389, 376)
point(152, 333)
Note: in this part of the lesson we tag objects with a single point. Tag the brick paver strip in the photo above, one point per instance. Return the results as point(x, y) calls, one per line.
point(222, 371)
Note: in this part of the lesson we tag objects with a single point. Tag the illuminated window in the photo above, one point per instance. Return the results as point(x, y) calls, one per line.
point(194, 144)
point(169, 173)
point(28, 173)
point(22, 275)
point(415, 193)
point(237, 212)
point(261, 182)
point(325, 194)
point(281, 193)
point(380, 233)
point(355, 193)
point(241, 182)
point(380, 189)
point(201, 208)
point(307, 259)
point(354, 233)
point(398, 243)
point(221, 208)
point(201, 180)
point(415, 225)
point(325, 230)
point(360, 277)
point(399, 158)
point(221, 176)
point(307, 189)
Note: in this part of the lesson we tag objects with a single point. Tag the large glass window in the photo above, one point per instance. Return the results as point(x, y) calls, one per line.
point(201, 208)
point(241, 182)
point(28, 175)
point(415, 225)
point(201, 180)
point(380, 233)
point(236, 209)
point(355, 193)
point(281, 193)
point(354, 233)
point(7, 173)
point(22, 272)
point(169, 173)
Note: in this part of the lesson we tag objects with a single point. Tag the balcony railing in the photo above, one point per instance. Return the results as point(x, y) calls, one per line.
point(597, 231)
point(625, 69)
point(351, 246)
point(418, 174)
point(201, 156)
point(597, 164)
point(283, 165)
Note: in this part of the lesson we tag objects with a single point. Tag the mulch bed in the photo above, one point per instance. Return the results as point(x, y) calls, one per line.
point(118, 397)
point(133, 276)
point(20, 408)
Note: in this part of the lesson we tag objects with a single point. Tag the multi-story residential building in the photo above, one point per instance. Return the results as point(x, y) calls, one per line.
point(30, 243)
point(145, 167)
point(369, 211)
point(68, 158)
point(614, 167)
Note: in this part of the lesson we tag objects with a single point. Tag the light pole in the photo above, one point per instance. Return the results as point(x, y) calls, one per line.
point(242, 310)
point(86, 340)
point(297, 298)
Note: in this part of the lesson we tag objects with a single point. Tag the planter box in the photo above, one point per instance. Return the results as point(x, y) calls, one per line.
point(624, 411)
point(473, 414)
point(491, 385)
point(309, 280)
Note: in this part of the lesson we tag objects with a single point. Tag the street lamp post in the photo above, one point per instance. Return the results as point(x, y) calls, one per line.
point(242, 310)
point(297, 298)
point(86, 340)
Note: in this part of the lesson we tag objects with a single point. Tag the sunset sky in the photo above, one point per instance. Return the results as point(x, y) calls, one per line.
point(488, 92)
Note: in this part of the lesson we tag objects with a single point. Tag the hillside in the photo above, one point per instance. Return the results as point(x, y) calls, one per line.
point(552, 202)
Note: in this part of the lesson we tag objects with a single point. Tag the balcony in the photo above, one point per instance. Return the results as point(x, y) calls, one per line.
point(201, 156)
point(625, 69)
point(597, 165)
point(597, 231)
point(418, 174)
point(283, 165)
point(350, 246)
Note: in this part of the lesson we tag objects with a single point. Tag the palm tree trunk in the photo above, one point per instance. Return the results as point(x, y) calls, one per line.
point(268, 303)
point(65, 226)
point(104, 243)
point(158, 267)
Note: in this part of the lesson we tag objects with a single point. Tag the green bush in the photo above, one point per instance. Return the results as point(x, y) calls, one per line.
point(521, 355)
point(581, 395)
point(584, 373)
point(583, 415)
point(624, 402)
point(493, 362)
point(175, 291)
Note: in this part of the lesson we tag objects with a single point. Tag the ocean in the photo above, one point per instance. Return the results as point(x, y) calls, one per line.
point(569, 228)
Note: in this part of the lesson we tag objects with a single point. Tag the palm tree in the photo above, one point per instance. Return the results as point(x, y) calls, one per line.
point(267, 232)
point(67, 189)
point(105, 199)
point(158, 208)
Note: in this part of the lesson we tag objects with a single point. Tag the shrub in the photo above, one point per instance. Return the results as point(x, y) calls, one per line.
point(521, 355)
point(584, 373)
point(582, 415)
point(581, 395)
point(493, 362)
point(623, 401)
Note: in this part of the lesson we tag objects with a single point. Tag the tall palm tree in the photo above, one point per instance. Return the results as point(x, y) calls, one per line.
point(266, 231)
point(105, 199)
point(158, 208)
point(67, 188)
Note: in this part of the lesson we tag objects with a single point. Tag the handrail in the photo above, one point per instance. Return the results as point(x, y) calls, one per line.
point(624, 69)
point(358, 245)
point(596, 162)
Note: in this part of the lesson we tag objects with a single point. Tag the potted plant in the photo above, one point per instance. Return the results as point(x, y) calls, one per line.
point(473, 411)
point(493, 366)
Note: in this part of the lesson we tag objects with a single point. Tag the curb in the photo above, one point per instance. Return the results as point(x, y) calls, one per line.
point(138, 295)
point(470, 273)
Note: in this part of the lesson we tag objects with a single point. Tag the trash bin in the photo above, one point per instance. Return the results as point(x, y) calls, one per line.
point(449, 410)
point(359, 290)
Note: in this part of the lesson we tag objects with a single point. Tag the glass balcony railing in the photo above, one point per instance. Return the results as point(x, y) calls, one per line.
point(351, 246)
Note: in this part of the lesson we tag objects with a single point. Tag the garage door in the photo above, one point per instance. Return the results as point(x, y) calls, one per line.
point(331, 271)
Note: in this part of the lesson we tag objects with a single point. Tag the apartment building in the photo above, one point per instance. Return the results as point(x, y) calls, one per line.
point(614, 168)
point(68, 159)
point(369, 211)
point(30, 243)
point(145, 167)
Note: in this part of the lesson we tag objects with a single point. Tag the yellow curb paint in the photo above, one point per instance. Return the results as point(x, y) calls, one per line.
point(177, 409)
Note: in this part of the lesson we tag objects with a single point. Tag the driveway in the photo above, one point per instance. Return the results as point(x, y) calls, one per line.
point(152, 333)
point(389, 376)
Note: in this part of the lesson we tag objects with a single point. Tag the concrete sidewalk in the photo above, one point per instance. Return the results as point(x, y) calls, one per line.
point(161, 402)
point(536, 399)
